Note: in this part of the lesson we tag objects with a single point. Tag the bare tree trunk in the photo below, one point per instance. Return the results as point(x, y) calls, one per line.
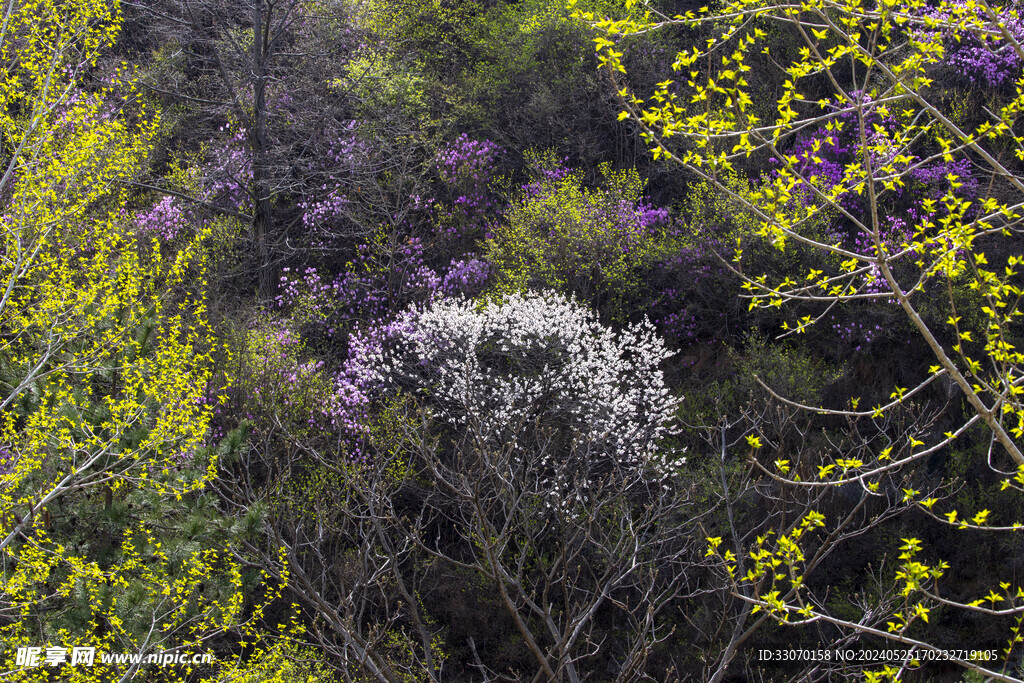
point(262, 218)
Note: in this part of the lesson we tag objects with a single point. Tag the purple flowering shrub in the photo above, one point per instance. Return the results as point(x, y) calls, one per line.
point(384, 278)
point(687, 302)
point(694, 298)
point(288, 391)
point(830, 162)
point(467, 276)
point(855, 333)
point(287, 394)
point(290, 394)
point(165, 220)
point(221, 180)
point(597, 243)
point(340, 165)
point(466, 170)
point(397, 264)
point(980, 58)
point(224, 179)
point(227, 177)
point(831, 157)
point(692, 294)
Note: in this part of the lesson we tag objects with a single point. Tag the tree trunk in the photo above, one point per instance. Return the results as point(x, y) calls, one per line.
point(262, 218)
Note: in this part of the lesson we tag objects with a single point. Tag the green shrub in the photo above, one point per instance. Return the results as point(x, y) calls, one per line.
point(596, 243)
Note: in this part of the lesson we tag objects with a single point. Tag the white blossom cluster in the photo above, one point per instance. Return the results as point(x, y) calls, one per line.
point(534, 363)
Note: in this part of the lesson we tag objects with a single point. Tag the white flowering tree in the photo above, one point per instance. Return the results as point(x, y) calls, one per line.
point(512, 449)
point(538, 376)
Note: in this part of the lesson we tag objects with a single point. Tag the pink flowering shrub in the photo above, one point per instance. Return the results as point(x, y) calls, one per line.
point(165, 220)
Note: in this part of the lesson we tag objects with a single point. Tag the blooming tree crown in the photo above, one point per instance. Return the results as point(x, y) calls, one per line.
point(533, 361)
